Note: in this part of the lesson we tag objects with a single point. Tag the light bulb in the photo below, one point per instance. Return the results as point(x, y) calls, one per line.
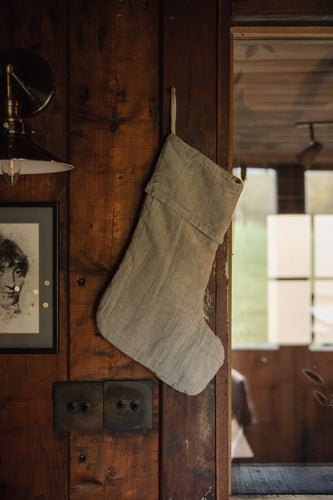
point(11, 170)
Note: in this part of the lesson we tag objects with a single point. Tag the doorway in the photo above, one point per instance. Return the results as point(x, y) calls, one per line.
point(281, 342)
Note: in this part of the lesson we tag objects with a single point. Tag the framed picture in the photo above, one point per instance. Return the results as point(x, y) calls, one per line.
point(29, 277)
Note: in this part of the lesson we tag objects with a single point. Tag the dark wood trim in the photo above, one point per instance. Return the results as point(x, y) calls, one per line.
point(281, 20)
point(283, 31)
point(223, 261)
point(282, 11)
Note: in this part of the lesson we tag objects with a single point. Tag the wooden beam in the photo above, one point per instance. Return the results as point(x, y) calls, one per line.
point(33, 457)
point(189, 62)
point(114, 125)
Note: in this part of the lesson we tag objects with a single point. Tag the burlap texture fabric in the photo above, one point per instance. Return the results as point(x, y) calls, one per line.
point(153, 308)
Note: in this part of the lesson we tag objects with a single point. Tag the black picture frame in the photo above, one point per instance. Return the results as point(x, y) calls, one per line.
point(29, 277)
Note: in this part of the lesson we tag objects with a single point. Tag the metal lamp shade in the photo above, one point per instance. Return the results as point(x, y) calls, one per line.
point(29, 158)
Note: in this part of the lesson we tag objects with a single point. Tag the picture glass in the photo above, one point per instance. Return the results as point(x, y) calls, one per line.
point(28, 277)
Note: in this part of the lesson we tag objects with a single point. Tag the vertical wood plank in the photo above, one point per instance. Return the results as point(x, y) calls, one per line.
point(223, 259)
point(33, 457)
point(269, 374)
point(189, 63)
point(313, 422)
point(291, 425)
point(114, 113)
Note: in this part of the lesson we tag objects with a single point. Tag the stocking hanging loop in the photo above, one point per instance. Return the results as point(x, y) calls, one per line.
point(173, 111)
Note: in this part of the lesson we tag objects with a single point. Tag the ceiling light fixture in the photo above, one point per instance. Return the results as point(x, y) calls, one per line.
point(26, 88)
point(307, 156)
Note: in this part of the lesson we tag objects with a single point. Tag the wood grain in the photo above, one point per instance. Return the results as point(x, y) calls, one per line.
point(33, 457)
point(320, 10)
point(291, 425)
point(121, 59)
point(278, 83)
point(223, 259)
point(190, 64)
point(114, 139)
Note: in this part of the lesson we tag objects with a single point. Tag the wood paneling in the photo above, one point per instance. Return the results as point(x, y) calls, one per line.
point(279, 82)
point(120, 60)
point(34, 457)
point(291, 425)
point(281, 11)
point(190, 55)
point(114, 128)
point(223, 261)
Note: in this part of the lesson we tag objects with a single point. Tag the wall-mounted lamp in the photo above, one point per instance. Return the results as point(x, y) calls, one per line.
point(26, 88)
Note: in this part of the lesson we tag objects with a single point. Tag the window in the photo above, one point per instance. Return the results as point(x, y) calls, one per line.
point(319, 204)
point(282, 280)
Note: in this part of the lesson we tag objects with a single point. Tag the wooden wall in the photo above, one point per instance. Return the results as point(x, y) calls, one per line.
point(34, 459)
point(114, 138)
point(114, 62)
point(189, 53)
point(291, 426)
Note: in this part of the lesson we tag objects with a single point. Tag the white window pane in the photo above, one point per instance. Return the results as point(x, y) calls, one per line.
point(289, 319)
point(249, 258)
point(322, 311)
point(323, 245)
point(289, 246)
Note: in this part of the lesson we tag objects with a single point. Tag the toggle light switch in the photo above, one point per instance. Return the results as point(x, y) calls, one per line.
point(128, 405)
point(113, 406)
point(78, 406)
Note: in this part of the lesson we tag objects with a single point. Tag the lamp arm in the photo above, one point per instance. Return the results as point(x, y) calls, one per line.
point(9, 71)
point(22, 85)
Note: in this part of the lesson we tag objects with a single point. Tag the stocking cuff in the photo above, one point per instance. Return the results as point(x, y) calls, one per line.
point(195, 187)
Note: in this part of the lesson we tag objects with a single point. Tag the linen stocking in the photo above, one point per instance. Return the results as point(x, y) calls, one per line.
point(153, 308)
